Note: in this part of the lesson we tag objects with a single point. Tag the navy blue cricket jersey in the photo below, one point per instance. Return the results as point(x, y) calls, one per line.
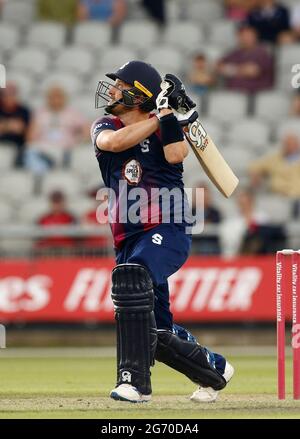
point(142, 166)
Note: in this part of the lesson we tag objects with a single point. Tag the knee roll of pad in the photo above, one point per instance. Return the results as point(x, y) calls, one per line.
point(132, 288)
point(189, 358)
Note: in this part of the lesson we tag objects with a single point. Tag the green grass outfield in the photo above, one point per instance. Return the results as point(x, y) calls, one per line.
point(66, 384)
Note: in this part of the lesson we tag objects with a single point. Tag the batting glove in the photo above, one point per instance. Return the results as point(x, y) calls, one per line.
point(162, 100)
point(186, 118)
point(173, 93)
point(187, 105)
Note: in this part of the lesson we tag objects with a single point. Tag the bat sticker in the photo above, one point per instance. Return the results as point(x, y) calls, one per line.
point(198, 135)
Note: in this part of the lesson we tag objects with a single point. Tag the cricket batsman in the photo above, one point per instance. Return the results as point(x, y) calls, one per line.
point(139, 154)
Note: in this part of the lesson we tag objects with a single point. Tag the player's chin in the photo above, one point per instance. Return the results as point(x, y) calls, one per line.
point(115, 109)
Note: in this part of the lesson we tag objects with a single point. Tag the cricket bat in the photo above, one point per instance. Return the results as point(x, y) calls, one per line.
point(210, 158)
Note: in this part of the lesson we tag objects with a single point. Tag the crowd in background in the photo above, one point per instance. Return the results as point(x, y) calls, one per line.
point(111, 11)
point(44, 137)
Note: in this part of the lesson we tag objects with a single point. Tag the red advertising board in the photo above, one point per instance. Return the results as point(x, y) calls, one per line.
point(75, 290)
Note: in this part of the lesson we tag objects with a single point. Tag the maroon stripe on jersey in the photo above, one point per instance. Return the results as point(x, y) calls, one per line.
point(118, 238)
point(118, 123)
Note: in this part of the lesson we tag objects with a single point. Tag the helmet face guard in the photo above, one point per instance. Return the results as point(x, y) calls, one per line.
point(131, 98)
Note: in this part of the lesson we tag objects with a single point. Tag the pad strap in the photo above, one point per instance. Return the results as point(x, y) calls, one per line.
point(189, 358)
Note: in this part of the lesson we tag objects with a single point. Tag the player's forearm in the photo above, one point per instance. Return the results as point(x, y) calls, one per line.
point(176, 152)
point(127, 137)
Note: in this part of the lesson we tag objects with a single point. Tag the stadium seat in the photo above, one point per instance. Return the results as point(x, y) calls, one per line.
point(81, 206)
point(288, 126)
point(139, 35)
point(37, 102)
point(76, 60)
point(278, 208)
point(186, 36)
point(63, 180)
point(227, 106)
point(223, 34)
point(288, 55)
point(86, 106)
point(9, 37)
point(268, 148)
point(250, 132)
point(271, 106)
point(98, 76)
point(291, 3)
point(18, 12)
point(115, 56)
point(214, 129)
point(6, 212)
point(204, 11)
point(29, 60)
point(32, 209)
point(136, 11)
point(227, 207)
point(83, 161)
point(93, 35)
point(284, 80)
point(213, 52)
point(48, 35)
point(173, 10)
point(7, 156)
point(68, 81)
point(89, 89)
point(16, 185)
point(238, 156)
point(165, 59)
point(24, 82)
point(92, 182)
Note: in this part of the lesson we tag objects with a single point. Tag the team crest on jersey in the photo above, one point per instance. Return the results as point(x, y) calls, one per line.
point(132, 172)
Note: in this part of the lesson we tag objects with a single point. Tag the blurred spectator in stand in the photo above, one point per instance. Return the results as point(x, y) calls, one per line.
point(14, 120)
point(282, 168)
point(200, 77)
point(249, 68)
point(156, 9)
point(97, 217)
point(62, 11)
point(58, 215)
point(237, 10)
point(269, 18)
point(54, 131)
point(110, 11)
point(295, 107)
point(203, 209)
point(250, 232)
